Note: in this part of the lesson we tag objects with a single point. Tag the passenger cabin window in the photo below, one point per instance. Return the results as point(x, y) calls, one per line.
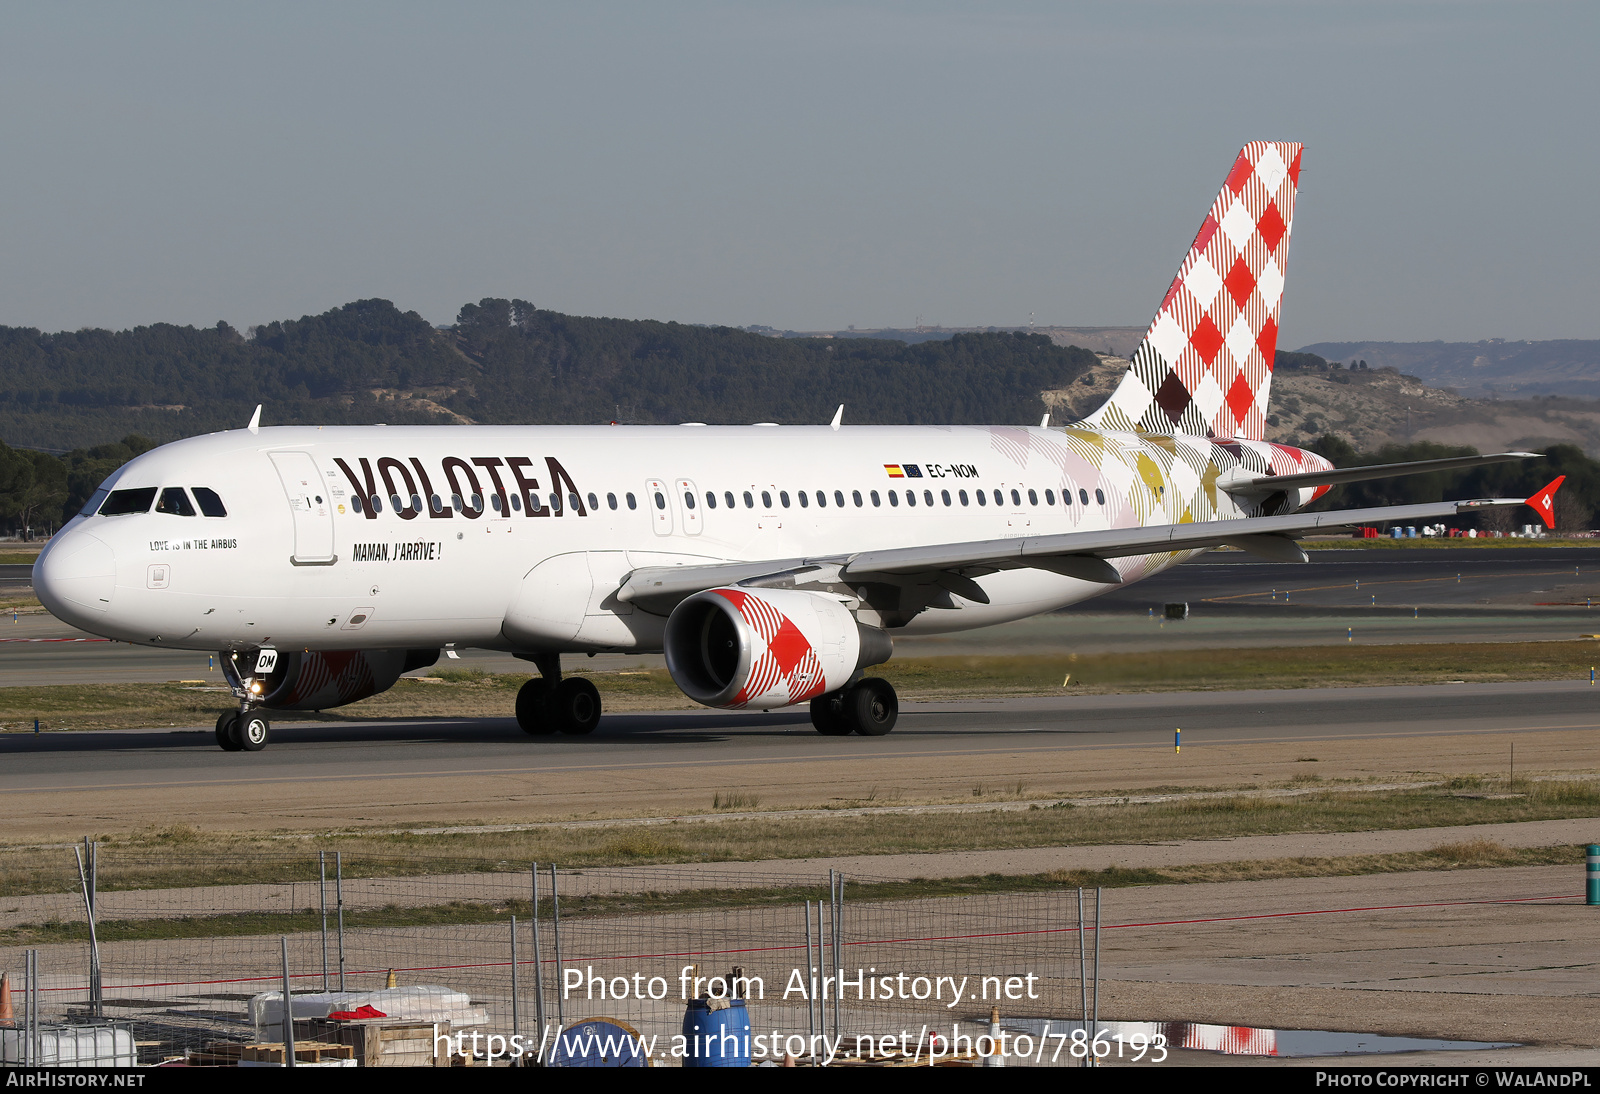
point(962, 494)
point(1049, 497)
point(749, 502)
point(633, 503)
point(1033, 497)
point(876, 502)
point(611, 500)
point(983, 499)
point(1083, 495)
point(711, 499)
point(210, 504)
point(594, 502)
point(1016, 499)
point(727, 496)
point(911, 498)
point(1100, 496)
point(357, 504)
point(822, 500)
point(176, 502)
point(661, 502)
point(377, 503)
point(805, 500)
point(766, 499)
point(783, 498)
point(855, 495)
point(688, 500)
point(894, 500)
point(838, 498)
point(945, 495)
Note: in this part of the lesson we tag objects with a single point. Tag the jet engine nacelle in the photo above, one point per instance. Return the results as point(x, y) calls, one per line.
point(766, 648)
point(318, 680)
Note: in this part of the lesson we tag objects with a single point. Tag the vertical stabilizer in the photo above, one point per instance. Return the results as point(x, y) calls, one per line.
point(1205, 365)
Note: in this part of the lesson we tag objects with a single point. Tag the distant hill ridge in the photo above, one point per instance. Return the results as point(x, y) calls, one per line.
point(1483, 369)
point(504, 361)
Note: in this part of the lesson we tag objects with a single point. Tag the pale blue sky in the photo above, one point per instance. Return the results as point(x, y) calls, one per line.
point(802, 165)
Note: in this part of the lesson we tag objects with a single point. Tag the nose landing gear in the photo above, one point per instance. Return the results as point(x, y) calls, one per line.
point(245, 730)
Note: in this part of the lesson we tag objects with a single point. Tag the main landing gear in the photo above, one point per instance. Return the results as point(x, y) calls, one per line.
point(549, 704)
point(868, 707)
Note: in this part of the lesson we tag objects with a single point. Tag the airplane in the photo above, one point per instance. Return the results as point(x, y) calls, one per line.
point(773, 565)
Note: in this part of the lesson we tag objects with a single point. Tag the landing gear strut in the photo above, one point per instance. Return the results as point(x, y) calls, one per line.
point(549, 704)
point(868, 707)
point(244, 730)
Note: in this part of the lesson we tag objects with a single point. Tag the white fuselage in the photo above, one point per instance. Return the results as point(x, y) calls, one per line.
point(297, 562)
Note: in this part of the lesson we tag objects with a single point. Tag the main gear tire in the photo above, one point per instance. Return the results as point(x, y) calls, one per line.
point(870, 707)
point(827, 718)
point(574, 706)
point(532, 714)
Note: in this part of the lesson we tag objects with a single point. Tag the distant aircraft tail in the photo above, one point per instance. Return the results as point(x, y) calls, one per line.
point(1205, 365)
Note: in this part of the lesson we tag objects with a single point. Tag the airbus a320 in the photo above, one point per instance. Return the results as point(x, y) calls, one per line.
point(773, 565)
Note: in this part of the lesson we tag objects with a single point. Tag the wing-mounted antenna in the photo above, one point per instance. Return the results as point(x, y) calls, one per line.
point(255, 420)
point(838, 416)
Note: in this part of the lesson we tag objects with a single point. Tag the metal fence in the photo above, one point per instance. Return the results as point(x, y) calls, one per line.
point(828, 965)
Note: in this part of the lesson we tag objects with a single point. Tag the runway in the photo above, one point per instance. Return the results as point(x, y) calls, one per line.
point(935, 736)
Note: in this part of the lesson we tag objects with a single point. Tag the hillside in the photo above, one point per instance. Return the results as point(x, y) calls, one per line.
point(504, 361)
point(1483, 369)
point(1373, 408)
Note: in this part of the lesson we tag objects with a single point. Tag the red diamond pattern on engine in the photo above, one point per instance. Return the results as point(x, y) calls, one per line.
point(782, 659)
point(1217, 327)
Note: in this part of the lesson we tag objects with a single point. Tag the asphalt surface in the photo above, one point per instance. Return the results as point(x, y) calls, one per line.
point(431, 748)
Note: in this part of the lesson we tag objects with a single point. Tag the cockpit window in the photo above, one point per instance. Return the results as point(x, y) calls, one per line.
point(92, 506)
point(210, 504)
point(122, 502)
point(175, 501)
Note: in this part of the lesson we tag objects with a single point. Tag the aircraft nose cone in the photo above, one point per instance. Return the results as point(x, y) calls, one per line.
point(77, 573)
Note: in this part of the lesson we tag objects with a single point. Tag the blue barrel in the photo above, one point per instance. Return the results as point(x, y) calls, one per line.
point(716, 1038)
point(598, 1042)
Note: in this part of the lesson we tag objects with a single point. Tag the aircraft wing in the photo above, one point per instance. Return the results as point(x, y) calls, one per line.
point(1074, 554)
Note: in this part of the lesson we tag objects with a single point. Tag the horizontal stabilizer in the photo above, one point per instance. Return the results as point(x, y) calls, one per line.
point(1544, 502)
point(1336, 475)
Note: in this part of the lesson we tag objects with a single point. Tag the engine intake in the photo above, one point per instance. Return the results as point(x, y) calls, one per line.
point(766, 648)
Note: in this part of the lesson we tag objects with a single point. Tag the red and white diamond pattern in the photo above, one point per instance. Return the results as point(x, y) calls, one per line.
point(784, 667)
point(1205, 366)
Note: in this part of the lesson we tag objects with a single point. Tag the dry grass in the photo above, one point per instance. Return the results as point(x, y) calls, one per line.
point(1474, 855)
point(181, 856)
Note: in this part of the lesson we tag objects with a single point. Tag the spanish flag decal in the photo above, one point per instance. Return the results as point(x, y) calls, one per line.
point(894, 471)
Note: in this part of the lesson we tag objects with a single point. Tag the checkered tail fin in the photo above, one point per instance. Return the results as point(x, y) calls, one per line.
point(1205, 365)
